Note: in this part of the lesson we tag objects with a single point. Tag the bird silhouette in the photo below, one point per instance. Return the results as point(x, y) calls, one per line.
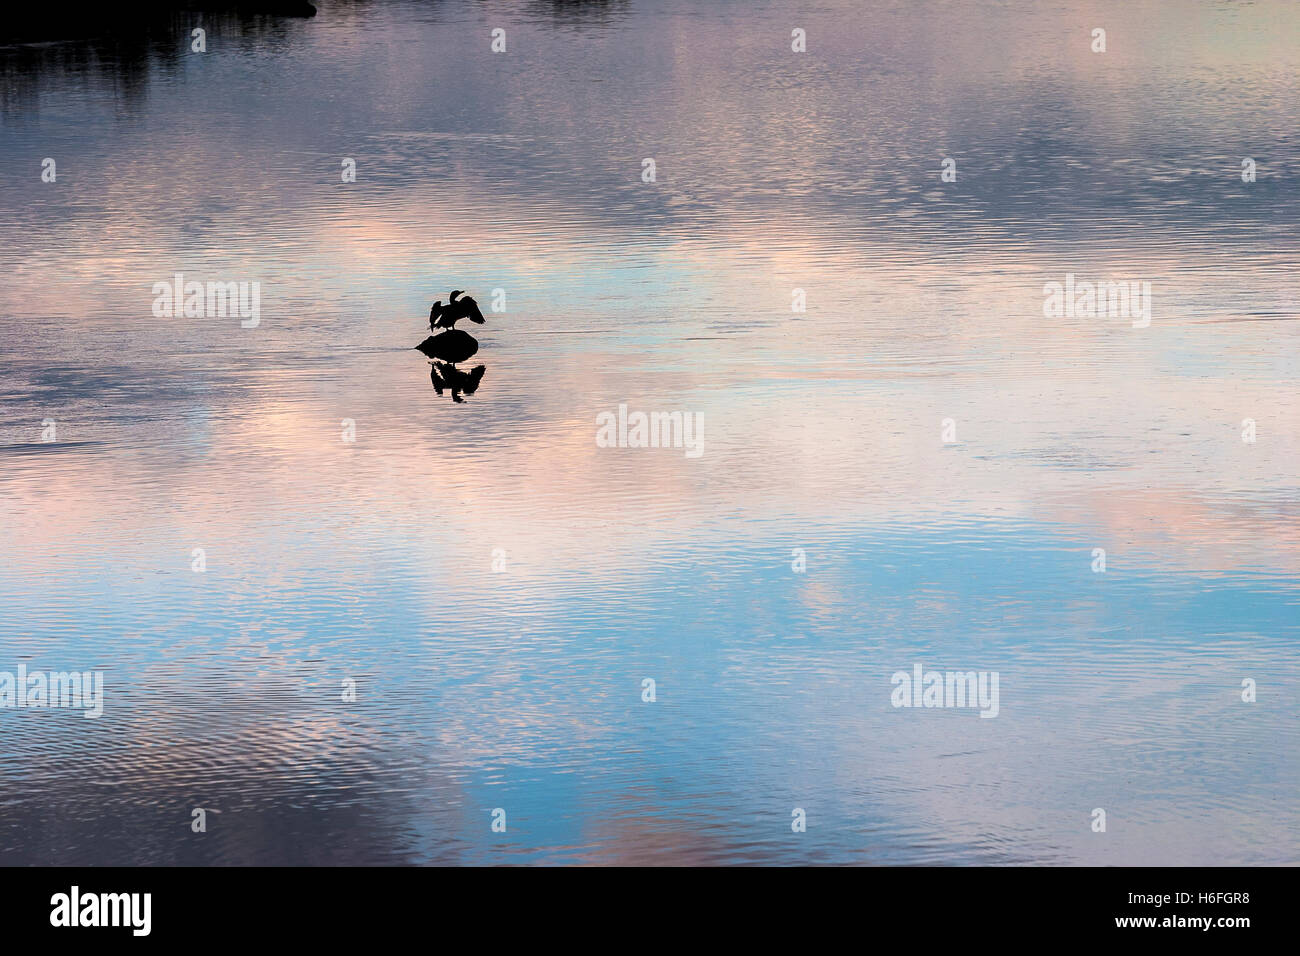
point(447, 376)
point(446, 316)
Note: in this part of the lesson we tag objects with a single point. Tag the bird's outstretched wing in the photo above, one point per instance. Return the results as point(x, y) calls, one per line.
point(471, 310)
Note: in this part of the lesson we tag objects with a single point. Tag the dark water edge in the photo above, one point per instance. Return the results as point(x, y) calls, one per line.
point(85, 19)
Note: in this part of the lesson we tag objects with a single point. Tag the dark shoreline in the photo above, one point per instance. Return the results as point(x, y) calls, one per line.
point(80, 19)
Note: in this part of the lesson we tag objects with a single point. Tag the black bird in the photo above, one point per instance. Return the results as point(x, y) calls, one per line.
point(446, 316)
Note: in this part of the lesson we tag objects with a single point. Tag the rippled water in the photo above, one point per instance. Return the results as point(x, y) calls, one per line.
point(521, 688)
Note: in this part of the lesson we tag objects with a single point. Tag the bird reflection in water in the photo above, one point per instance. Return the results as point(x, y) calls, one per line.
point(447, 377)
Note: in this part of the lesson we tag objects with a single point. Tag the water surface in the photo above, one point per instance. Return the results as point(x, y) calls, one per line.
point(521, 688)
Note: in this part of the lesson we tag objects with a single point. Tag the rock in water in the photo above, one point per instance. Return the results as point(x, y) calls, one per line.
point(450, 346)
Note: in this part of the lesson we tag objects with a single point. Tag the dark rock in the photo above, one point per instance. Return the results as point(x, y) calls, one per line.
point(450, 346)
